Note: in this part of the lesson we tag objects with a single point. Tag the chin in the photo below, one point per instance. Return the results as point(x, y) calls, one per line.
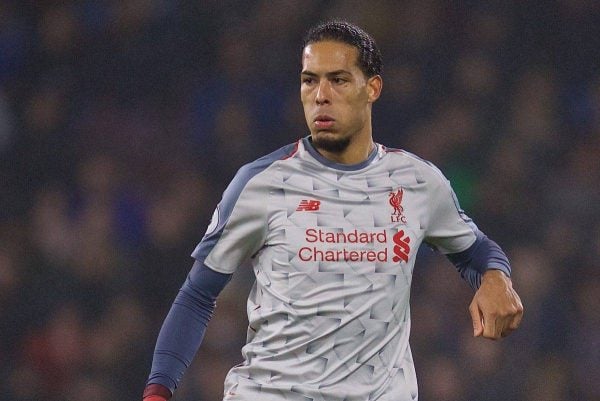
point(330, 142)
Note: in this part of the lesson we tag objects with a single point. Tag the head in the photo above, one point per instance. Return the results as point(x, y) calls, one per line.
point(340, 80)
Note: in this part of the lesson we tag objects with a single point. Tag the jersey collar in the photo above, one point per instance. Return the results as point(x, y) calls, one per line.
point(338, 166)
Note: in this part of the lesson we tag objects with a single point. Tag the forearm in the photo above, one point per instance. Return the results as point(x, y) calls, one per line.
point(480, 257)
point(179, 339)
point(185, 325)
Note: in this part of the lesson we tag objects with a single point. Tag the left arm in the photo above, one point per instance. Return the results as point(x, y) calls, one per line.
point(496, 309)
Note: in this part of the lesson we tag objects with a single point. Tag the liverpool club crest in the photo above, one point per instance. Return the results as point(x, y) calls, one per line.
point(395, 200)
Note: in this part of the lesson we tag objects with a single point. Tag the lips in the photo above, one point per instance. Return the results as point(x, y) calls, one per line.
point(324, 121)
point(324, 117)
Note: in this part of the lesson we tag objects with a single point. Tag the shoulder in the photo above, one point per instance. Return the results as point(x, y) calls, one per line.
point(423, 168)
point(257, 166)
point(253, 169)
point(241, 186)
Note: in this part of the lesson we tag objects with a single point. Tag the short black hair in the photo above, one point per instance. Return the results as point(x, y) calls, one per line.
point(369, 56)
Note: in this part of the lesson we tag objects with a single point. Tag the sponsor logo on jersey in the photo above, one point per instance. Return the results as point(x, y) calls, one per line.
point(401, 247)
point(354, 246)
point(308, 205)
point(395, 200)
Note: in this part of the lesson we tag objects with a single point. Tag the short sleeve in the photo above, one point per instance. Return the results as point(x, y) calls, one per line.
point(238, 226)
point(449, 229)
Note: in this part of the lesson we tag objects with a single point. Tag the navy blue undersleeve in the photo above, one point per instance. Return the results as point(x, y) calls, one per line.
point(185, 325)
point(483, 255)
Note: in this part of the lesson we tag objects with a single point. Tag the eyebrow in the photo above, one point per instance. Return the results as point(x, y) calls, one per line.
point(329, 74)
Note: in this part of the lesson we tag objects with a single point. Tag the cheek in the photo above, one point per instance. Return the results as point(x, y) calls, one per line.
point(356, 103)
point(304, 96)
point(304, 99)
point(359, 101)
point(306, 104)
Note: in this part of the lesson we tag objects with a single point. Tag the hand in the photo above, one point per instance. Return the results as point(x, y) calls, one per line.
point(155, 398)
point(156, 392)
point(496, 309)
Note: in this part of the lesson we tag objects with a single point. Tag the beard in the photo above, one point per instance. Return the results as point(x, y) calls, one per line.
point(331, 145)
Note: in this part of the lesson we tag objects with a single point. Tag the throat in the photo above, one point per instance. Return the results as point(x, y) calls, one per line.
point(343, 150)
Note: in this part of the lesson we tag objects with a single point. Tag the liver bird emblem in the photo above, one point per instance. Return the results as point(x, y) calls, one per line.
point(396, 201)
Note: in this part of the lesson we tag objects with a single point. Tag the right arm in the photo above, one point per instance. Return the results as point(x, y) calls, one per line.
point(183, 329)
point(236, 232)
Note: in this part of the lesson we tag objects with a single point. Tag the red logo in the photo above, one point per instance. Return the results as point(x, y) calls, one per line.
point(308, 205)
point(401, 247)
point(395, 200)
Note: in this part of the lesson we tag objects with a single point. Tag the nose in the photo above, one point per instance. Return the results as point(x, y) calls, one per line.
point(323, 93)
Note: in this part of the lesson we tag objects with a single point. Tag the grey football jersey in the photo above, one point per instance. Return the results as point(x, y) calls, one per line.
point(333, 249)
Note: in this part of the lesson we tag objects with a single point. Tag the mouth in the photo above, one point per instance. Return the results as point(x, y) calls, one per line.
point(323, 121)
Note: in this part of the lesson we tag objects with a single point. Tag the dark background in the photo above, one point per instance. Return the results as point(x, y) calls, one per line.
point(121, 122)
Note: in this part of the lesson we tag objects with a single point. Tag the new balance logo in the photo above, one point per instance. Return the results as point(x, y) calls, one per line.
point(308, 205)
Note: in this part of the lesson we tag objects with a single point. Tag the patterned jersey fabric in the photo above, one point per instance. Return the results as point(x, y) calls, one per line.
point(333, 249)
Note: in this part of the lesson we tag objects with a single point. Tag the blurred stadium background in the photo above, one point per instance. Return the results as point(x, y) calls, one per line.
point(121, 122)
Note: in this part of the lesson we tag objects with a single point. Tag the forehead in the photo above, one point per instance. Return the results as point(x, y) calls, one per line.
point(329, 56)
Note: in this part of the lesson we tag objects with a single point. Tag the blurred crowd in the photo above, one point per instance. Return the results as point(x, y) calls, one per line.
point(121, 122)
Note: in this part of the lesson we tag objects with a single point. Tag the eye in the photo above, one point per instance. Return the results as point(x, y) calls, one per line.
point(339, 81)
point(308, 80)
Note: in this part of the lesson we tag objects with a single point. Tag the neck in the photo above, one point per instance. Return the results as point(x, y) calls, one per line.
point(357, 151)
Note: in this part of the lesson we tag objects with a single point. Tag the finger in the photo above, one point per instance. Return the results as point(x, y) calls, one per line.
point(505, 326)
point(476, 319)
point(512, 320)
point(490, 327)
point(516, 321)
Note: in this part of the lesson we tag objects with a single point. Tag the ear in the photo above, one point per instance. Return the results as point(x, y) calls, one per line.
point(374, 86)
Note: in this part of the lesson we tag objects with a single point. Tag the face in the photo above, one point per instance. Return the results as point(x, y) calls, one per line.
point(336, 95)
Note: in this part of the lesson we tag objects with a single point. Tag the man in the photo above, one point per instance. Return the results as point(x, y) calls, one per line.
point(332, 225)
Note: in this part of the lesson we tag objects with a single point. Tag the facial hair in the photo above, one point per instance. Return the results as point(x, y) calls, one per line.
point(331, 145)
